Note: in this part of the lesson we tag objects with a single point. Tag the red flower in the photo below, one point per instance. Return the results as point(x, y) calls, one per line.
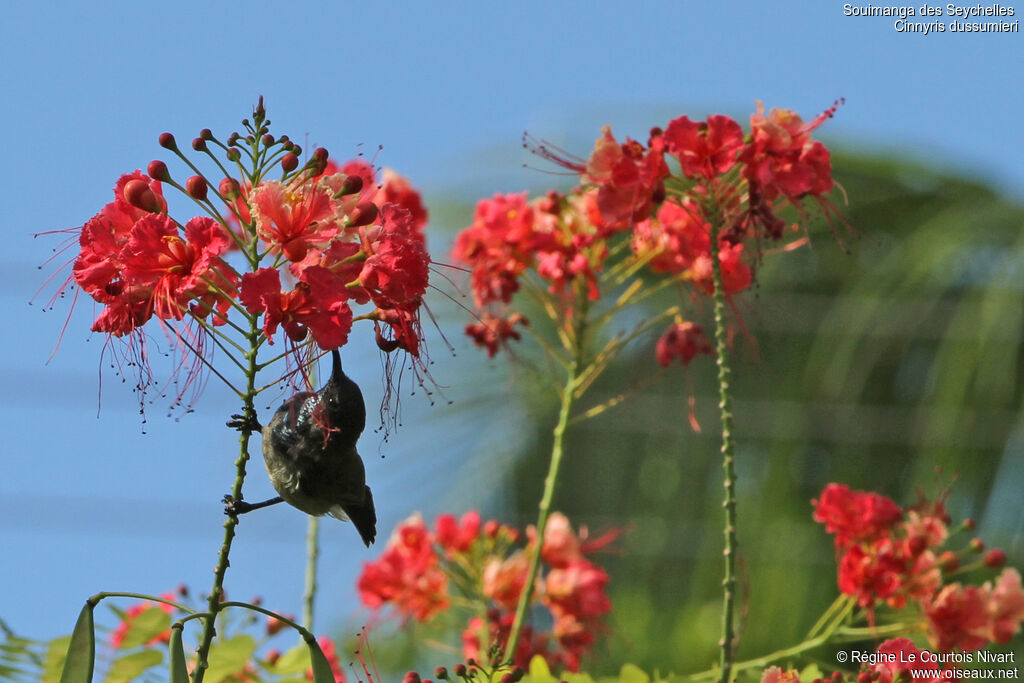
point(395, 189)
point(497, 246)
point(497, 632)
point(704, 149)
point(781, 157)
point(179, 270)
point(396, 270)
point(958, 618)
point(577, 590)
point(293, 219)
point(675, 238)
point(457, 536)
point(407, 574)
point(491, 332)
point(503, 580)
point(1005, 606)
point(774, 674)
point(684, 341)
point(317, 305)
point(902, 650)
point(855, 516)
point(629, 179)
point(874, 574)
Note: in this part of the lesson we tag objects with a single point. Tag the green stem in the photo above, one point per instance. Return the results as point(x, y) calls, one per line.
point(217, 592)
point(728, 456)
point(312, 554)
point(544, 508)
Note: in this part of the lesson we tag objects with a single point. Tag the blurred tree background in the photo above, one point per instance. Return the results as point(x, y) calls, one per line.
point(888, 361)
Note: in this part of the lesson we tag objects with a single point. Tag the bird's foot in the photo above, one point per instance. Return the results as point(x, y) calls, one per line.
point(245, 422)
point(233, 508)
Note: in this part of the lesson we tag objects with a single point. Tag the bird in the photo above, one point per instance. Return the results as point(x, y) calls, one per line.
point(309, 449)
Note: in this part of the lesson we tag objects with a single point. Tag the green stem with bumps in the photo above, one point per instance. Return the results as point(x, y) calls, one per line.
point(728, 455)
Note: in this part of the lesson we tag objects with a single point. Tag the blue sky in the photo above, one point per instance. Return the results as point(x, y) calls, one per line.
point(93, 503)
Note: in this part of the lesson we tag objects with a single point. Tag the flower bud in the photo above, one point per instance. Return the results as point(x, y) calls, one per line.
point(272, 656)
point(364, 214)
point(518, 673)
point(441, 673)
point(206, 134)
point(320, 154)
point(233, 138)
point(274, 625)
point(234, 154)
point(460, 670)
point(289, 162)
point(199, 145)
point(196, 186)
point(977, 545)
point(969, 524)
point(267, 140)
point(229, 188)
point(138, 194)
point(411, 677)
point(167, 141)
point(296, 150)
point(157, 170)
point(491, 527)
point(352, 185)
point(864, 677)
point(295, 249)
point(949, 561)
point(995, 558)
point(507, 678)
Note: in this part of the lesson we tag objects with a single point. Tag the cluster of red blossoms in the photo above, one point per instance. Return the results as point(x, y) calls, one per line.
point(657, 206)
point(894, 556)
point(299, 250)
point(486, 563)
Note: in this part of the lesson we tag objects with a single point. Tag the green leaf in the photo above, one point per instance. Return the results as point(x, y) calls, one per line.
point(178, 669)
point(130, 667)
point(570, 677)
point(54, 662)
point(228, 657)
point(631, 673)
point(539, 671)
point(81, 652)
point(321, 667)
point(294, 661)
point(145, 627)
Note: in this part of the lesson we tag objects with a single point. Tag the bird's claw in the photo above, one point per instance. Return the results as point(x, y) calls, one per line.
point(245, 422)
point(233, 508)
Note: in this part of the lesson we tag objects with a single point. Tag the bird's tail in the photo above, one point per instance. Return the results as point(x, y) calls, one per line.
point(364, 517)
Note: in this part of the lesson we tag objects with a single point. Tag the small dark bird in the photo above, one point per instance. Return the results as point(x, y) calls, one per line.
point(309, 449)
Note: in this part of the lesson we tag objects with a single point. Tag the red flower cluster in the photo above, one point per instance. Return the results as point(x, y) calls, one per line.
point(629, 193)
point(887, 554)
point(418, 568)
point(295, 253)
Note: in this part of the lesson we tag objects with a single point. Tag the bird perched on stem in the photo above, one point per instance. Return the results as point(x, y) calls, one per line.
point(309, 449)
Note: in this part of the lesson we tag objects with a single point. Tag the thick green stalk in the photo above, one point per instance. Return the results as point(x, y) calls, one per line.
point(312, 554)
point(217, 592)
point(545, 503)
point(728, 458)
